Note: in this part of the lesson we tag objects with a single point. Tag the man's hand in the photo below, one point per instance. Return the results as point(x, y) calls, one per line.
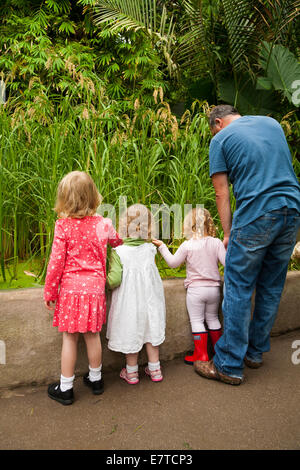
point(48, 305)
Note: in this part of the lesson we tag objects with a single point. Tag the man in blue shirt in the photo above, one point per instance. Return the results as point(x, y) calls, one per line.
point(252, 153)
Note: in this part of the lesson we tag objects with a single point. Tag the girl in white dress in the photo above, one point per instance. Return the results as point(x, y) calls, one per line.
point(137, 314)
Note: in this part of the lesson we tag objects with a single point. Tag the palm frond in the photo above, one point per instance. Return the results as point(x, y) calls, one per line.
point(277, 16)
point(194, 49)
point(280, 13)
point(135, 15)
point(248, 23)
point(242, 25)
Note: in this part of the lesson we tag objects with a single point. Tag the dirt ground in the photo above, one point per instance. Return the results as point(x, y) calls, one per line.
point(184, 412)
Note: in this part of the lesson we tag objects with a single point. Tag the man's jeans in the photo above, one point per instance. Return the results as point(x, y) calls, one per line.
point(257, 257)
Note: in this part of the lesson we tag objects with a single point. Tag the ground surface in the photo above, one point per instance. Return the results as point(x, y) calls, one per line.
point(183, 412)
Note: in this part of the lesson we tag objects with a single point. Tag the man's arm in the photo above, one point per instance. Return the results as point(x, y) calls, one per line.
point(220, 183)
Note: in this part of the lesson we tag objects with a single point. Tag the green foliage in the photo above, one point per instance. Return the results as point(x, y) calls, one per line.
point(281, 67)
point(52, 49)
point(148, 158)
point(89, 84)
point(39, 71)
point(126, 49)
point(224, 41)
point(243, 94)
point(130, 65)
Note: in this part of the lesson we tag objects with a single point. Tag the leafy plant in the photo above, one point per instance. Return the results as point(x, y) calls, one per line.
point(147, 157)
point(139, 15)
point(89, 86)
point(281, 69)
point(223, 42)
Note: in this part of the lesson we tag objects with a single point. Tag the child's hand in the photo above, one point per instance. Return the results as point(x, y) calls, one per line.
point(48, 305)
point(157, 242)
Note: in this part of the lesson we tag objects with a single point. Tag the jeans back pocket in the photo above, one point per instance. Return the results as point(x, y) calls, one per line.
point(258, 233)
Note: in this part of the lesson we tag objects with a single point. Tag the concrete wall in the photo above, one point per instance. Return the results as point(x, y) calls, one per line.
point(30, 346)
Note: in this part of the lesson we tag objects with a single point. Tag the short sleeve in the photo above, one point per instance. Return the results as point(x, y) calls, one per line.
point(217, 162)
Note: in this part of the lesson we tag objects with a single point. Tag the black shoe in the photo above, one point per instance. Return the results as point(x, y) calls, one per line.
point(65, 398)
point(97, 387)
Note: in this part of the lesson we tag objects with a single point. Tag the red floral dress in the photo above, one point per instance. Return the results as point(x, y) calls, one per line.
point(78, 265)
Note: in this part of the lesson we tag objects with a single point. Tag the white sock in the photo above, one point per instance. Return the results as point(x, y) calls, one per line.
point(153, 365)
point(95, 374)
point(66, 383)
point(131, 369)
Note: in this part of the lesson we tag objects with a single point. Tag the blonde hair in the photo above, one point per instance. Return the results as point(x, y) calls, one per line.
point(137, 222)
point(197, 222)
point(77, 196)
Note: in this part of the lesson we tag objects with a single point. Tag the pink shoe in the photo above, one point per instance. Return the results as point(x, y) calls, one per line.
point(131, 378)
point(155, 375)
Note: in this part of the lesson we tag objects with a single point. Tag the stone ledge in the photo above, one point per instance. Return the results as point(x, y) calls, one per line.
point(33, 346)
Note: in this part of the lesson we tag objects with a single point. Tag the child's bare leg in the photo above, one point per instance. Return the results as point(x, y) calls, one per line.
point(69, 353)
point(131, 372)
point(132, 359)
point(94, 353)
point(94, 348)
point(152, 353)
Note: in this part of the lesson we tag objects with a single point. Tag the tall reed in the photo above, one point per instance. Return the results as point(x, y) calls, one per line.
point(146, 155)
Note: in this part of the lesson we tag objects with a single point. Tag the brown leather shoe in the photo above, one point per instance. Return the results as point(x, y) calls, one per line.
point(252, 364)
point(206, 369)
point(227, 379)
point(209, 371)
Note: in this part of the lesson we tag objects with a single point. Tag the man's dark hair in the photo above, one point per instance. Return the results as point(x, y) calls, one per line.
point(220, 112)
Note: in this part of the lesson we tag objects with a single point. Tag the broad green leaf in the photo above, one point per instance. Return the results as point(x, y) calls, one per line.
point(264, 83)
point(246, 98)
point(281, 66)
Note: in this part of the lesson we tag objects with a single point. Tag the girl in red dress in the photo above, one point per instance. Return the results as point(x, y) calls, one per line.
point(75, 280)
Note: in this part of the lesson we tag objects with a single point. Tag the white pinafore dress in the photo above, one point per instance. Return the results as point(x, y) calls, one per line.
point(137, 313)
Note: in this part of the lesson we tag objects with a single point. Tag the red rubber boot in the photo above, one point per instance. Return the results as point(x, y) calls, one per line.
point(200, 351)
point(215, 335)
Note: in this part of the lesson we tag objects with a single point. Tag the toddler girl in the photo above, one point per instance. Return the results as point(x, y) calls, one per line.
point(137, 311)
point(201, 253)
point(78, 266)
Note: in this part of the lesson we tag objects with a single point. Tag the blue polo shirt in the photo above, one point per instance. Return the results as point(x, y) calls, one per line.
point(254, 152)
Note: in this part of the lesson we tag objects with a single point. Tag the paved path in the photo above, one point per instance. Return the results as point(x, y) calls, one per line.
point(183, 412)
